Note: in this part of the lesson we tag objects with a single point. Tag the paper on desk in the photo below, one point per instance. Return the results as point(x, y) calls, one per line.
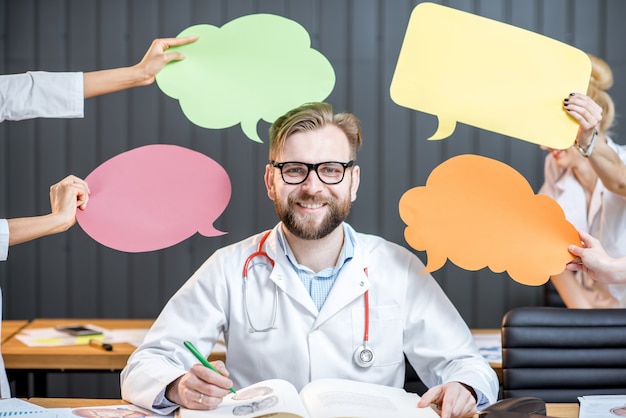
point(50, 337)
point(489, 345)
point(7, 406)
point(114, 411)
point(131, 336)
point(14, 407)
point(40, 413)
point(597, 406)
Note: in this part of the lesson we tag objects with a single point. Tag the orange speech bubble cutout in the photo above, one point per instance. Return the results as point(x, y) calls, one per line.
point(481, 72)
point(480, 212)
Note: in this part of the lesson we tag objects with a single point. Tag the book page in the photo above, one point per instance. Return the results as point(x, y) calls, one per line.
point(331, 398)
point(275, 398)
point(602, 406)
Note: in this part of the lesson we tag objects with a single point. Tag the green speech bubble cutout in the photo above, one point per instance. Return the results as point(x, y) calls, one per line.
point(254, 67)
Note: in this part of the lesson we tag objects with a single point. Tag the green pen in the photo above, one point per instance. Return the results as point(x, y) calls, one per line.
point(203, 360)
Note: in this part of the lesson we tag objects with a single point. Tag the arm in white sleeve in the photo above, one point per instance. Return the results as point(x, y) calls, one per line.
point(4, 239)
point(40, 94)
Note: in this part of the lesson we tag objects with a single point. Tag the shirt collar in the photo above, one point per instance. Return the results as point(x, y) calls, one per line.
point(346, 254)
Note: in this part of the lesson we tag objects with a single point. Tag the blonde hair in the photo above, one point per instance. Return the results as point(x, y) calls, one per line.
point(311, 116)
point(602, 80)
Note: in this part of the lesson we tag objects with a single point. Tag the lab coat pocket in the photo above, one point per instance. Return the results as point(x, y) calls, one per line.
point(385, 333)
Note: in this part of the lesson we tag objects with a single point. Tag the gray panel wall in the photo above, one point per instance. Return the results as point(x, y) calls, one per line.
point(70, 275)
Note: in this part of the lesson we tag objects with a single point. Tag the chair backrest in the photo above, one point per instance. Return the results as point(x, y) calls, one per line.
point(558, 354)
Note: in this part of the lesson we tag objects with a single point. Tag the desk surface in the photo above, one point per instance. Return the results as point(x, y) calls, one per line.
point(560, 410)
point(73, 402)
point(11, 327)
point(18, 355)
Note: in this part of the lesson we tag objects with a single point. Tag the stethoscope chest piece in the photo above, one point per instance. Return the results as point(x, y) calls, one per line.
point(364, 356)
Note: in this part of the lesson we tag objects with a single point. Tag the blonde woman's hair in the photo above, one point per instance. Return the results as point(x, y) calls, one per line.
point(311, 116)
point(602, 80)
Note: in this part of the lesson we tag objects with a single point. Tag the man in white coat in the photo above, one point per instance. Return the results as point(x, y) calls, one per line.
point(304, 314)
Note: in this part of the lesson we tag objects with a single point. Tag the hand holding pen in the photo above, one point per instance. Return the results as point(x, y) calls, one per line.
point(204, 362)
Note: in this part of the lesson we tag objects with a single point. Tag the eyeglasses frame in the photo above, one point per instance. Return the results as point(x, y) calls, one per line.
point(312, 167)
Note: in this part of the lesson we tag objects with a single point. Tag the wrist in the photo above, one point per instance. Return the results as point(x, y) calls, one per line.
point(586, 151)
point(471, 391)
point(171, 392)
point(58, 222)
point(141, 76)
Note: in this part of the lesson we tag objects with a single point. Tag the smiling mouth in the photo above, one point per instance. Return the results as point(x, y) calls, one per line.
point(311, 205)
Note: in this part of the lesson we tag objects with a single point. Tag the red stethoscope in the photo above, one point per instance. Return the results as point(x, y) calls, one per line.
point(363, 356)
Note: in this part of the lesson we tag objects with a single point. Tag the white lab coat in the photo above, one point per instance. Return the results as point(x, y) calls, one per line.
point(5, 389)
point(40, 94)
point(409, 314)
point(35, 94)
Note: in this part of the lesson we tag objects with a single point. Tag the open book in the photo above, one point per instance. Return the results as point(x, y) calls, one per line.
point(597, 406)
point(323, 398)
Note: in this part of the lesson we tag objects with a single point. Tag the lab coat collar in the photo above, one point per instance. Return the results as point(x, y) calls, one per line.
point(284, 276)
point(351, 283)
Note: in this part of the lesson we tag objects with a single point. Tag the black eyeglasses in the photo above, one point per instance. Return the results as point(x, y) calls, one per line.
point(330, 172)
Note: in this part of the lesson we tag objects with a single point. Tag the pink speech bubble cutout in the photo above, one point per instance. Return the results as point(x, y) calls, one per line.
point(153, 197)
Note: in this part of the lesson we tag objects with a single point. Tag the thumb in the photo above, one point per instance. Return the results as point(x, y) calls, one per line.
point(577, 251)
point(174, 56)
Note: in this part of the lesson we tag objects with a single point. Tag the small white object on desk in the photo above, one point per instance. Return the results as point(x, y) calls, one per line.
point(490, 346)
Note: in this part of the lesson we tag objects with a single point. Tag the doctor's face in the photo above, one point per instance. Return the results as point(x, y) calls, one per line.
point(313, 209)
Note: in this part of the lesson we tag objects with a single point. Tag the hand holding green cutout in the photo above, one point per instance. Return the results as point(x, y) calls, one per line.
point(254, 67)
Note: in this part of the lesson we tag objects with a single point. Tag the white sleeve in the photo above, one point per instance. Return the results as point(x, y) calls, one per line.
point(40, 94)
point(4, 239)
point(441, 348)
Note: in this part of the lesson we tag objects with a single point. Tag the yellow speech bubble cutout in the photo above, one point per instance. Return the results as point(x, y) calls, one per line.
point(478, 212)
point(470, 69)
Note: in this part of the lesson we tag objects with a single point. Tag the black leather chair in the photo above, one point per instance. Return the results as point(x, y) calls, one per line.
point(558, 354)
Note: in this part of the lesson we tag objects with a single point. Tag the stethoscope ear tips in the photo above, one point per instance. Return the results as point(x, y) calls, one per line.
point(364, 356)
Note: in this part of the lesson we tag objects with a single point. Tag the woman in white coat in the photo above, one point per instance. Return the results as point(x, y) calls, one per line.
point(588, 180)
point(324, 275)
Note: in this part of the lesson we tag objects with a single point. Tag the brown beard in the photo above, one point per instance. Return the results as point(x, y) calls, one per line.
point(303, 228)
